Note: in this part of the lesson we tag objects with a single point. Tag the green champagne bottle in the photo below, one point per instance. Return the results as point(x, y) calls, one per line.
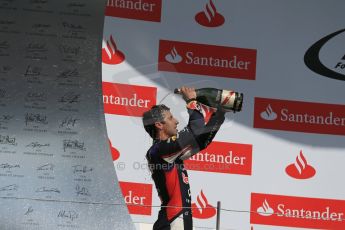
point(229, 100)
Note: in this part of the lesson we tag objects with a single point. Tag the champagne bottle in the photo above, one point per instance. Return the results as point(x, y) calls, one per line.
point(229, 100)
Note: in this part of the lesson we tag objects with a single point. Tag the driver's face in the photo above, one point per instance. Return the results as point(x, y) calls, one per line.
point(170, 124)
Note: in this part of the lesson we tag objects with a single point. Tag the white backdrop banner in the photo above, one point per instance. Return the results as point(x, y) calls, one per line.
point(278, 163)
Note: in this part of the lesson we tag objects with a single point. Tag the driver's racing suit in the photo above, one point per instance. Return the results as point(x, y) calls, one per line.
point(165, 159)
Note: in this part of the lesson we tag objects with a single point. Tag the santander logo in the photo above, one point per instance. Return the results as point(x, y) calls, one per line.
point(138, 197)
point(223, 157)
point(265, 209)
point(268, 114)
point(206, 59)
point(114, 152)
point(299, 116)
point(110, 53)
point(146, 10)
point(302, 212)
point(173, 56)
point(300, 169)
point(202, 209)
point(128, 100)
point(209, 17)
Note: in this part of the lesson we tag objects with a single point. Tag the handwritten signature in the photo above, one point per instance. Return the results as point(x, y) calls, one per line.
point(75, 4)
point(45, 189)
point(12, 187)
point(36, 47)
point(69, 73)
point(4, 45)
point(6, 118)
point(8, 166)
point(2, 93)
point(73, 144)
point(32, 71)
point(72, 26)
point(41, 25)
point(39, 1)
point(36, 96)
point(70, 98)
point(7, 22)
point(71, 50)
point(82, 191)
point(46, 167)
point(68, 122)
point(37, 145)
point(7, 140)
point(71, 215)
point(29, 211)
point(81, 169)
point(6, 68)
point(35, 118)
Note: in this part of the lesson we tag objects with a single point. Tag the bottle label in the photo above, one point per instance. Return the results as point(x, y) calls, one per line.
point(228, 99)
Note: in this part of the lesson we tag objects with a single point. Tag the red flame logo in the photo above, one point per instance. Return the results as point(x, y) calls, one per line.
point(114, 152)
point(110, 53)
point(210, 17)
point(202, 209)
point(268, 114)
point(300, 169)
point(265, 209)
point(173, 56)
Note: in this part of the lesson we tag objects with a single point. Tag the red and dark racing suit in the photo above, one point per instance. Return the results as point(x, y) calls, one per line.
point(165, 159)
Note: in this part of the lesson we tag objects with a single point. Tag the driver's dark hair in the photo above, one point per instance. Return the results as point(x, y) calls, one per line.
point(155, 114)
